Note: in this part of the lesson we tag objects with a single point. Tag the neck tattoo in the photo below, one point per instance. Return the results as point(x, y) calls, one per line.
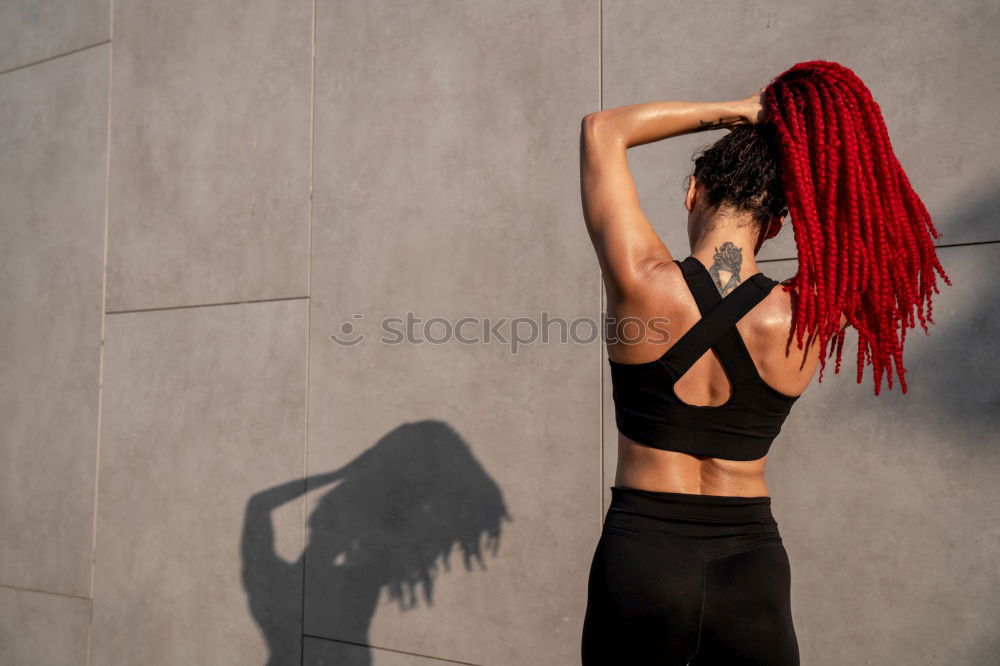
point(728, 258)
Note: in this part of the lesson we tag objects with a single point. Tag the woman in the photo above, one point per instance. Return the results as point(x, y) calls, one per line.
point(690, 567)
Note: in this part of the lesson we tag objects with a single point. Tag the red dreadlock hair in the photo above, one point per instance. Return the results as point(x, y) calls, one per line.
point(863, 236)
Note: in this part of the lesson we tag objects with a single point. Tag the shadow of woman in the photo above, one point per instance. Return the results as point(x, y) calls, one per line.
point(394, 516)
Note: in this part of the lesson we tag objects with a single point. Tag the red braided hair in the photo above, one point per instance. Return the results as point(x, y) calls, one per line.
point(863, 236)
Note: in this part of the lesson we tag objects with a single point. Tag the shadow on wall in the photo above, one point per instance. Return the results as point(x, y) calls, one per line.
point(949, 417)
point(961, 364)
point(951, 371)
point(396, 510)
point(949, 380)
point(977, 220)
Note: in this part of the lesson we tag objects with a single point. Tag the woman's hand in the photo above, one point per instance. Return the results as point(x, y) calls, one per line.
point(751, 108)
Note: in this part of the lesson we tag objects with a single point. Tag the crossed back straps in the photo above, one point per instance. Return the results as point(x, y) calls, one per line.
point(717, 326)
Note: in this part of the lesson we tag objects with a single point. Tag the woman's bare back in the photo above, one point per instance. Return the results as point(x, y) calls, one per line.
point(666, 299)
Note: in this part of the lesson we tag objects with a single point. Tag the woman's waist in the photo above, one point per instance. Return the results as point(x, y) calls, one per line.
point(712, 518)
point(653, 469)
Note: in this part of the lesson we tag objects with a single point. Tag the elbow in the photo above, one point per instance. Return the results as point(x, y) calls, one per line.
point(591, 124)
point(597, 128)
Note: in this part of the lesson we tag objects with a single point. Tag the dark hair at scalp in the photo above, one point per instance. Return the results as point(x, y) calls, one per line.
point(742, 170)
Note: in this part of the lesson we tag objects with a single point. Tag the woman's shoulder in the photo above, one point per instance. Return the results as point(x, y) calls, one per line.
point(789, 288)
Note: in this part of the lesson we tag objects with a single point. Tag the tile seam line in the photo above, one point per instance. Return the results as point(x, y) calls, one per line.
point(937, 247)
point(103, 331)
point(210, 305)
point(600, 283)
point(387, 649)
point(308, 334)
point(38, 590)
point(55, 57)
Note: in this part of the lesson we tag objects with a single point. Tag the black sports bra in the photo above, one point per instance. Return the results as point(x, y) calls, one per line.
point(648, 411)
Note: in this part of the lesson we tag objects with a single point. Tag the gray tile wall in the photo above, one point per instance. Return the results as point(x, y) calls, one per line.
point(35, 30)
point(199, 197)
point(53, 139)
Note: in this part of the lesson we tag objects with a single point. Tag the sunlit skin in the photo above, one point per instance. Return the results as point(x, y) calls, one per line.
point(642, 282)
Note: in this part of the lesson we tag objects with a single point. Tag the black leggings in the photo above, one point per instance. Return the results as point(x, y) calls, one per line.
point(688, 579)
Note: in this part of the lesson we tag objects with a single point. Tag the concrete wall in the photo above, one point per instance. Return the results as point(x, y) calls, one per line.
point(196, 195)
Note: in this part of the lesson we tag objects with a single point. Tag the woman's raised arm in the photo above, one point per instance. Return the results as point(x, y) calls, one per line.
point(627, 246)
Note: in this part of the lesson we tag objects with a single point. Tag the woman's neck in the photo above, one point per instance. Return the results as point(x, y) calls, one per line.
point(729, 258)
